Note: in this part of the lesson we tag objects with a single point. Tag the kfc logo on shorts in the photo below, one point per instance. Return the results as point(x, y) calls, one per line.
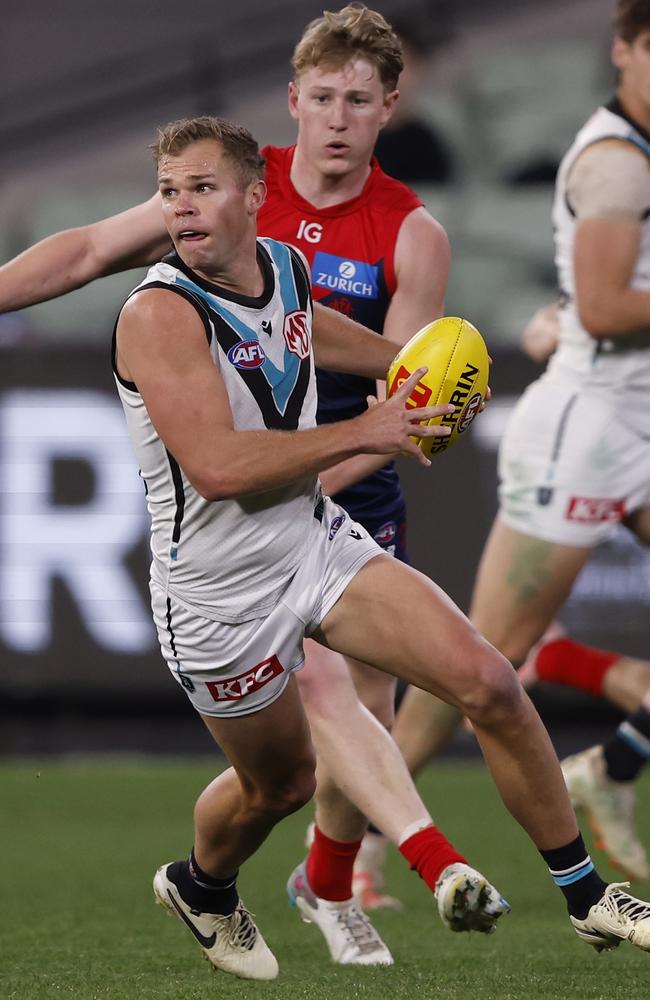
point(470, 411)
point(297, 333)
point(235, 688)
point(593, 510)
point(247, 354)
point(420, 394)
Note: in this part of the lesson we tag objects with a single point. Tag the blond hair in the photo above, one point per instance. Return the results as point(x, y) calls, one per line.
point(353, 32)
point(236, 141)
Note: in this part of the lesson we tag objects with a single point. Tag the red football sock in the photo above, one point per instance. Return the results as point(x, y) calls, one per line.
point(564, 661)
point(329, 866)
point(428, 852)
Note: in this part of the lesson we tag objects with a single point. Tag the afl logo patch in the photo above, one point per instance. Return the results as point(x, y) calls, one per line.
point(335, 525)
point(247, 354)
point(470, 411)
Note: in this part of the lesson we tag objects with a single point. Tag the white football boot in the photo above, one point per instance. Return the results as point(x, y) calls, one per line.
point(231, 943)
point(610, 808)
point(368, 879)
point(467, 901)
point(616, 917)
point(350, 937)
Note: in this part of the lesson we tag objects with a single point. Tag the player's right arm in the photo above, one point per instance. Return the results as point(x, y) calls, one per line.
point(609, 191)
point(73, 257)
point(162, 348)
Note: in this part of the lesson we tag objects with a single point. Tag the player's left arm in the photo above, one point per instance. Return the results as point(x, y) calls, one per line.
point(422, 258)
point(422, 261)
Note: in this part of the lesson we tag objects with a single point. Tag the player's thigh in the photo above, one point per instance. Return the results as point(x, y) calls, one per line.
point(395, 618)
point(330, 683)
point(324, 682)
point(521, 583)
point(269, 748)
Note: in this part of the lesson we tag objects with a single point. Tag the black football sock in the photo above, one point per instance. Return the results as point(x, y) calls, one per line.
point(573, 872)
point(628, 750)
point(201, 891)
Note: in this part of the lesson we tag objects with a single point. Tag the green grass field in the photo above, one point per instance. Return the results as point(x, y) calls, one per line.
point(80, 842)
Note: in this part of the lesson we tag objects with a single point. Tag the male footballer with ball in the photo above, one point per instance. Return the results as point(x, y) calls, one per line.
point(214, 361)
point(378, 610)
point(375, 255)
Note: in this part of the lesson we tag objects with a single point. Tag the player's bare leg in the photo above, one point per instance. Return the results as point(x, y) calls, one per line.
point(397, 619)
point(520, 584)
point(404, 624)
point(423, 726)
point(237, 811)
point(377, 691)
point(359, 763)
point(356, 755)
point(511, 610)
point(374, 774)
point(232, 817)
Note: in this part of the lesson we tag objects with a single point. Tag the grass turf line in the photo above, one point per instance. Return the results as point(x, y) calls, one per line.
point(81, 840)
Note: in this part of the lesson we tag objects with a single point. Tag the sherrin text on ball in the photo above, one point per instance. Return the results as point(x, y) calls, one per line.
point(456, 357)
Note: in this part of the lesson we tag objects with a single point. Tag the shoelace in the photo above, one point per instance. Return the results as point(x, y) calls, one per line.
point(242, 932)
point(360, 930)
point(621, 904)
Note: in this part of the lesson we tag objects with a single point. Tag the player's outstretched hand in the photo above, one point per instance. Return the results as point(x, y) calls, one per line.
point(389, 427)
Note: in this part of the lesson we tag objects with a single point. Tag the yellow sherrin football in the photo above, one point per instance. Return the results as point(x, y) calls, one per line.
point(455, 353)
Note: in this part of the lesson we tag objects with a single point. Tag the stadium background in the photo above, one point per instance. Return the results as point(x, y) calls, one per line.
point(84, 88)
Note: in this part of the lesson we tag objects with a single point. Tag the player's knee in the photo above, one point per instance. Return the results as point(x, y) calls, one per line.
point(323, 693)
point(290, 795)
point(496, 695)
point(384, 711)
point(377, 692)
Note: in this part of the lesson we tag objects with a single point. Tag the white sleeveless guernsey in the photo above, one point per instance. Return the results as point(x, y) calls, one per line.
point(622, 362)
point(229, 560)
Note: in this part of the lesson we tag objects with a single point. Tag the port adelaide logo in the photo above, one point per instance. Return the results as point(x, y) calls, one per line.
point(246, 354)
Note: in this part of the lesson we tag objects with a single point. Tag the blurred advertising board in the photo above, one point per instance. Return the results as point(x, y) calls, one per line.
point(75, 624)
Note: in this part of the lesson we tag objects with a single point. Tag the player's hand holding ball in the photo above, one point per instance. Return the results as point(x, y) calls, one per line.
point(456, 365)
point(395, 425)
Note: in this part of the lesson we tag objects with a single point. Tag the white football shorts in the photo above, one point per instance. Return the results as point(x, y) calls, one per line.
point(574, 460)
point(230, 670)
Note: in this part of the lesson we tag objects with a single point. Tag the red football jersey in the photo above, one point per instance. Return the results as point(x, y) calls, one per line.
point(350, 247)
